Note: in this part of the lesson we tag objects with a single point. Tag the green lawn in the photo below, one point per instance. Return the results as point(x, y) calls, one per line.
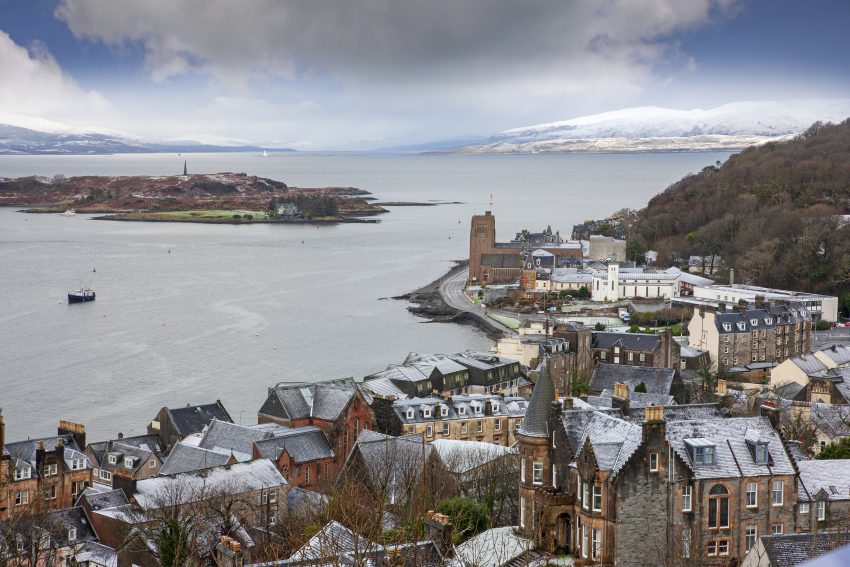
point(209, 214)
point(508, 322)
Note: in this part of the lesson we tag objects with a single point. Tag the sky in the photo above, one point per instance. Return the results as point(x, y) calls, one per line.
point(360, 74)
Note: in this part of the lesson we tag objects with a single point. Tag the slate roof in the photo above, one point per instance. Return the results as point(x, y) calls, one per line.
point(493, 548)
point(640, 399)
point(97, 500)
point(463, 456)
point(24, 452)
point(93, 553)
point(613, 439)
point(332, 542)
point(322, 400)
point(237, 478)
point(832, 476)
point(192, 419)
point(185, 458)
point(787, 550)
point(303, 500)
point(390, 462)
point(443, 364)
point(732, 453)
point(226, 438)
point(536, 420)
point(809, 363)
point(839, 354)
point(303, 444)
point(657, 380)
point(831, 419)
point(384, 387)
point(70, 518)
point(510, 260)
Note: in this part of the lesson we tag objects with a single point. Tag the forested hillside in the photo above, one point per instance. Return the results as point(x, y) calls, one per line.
point(773, 213)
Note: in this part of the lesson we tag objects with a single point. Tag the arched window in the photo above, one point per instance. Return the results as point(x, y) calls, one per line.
point(718, 507)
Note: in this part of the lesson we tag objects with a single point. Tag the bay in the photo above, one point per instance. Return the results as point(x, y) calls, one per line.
point(191, 313)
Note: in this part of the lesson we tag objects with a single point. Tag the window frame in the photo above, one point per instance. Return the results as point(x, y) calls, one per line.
point(754, 493)
point(751, 533)
point(597, 498)
point(537, 473)
point(687, 498)
point(780, 492)
point(653, 462)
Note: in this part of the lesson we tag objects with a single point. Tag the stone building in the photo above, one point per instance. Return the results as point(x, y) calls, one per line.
point(44, 473)
point(823, 495)
point(653, 488)
point(637, 349)
point(580, 342)
point(337, 407)
point(136, 458)
point(174, 424)
point(658, 381)
point(476, 417)
point(492, 262)
point(767, 333)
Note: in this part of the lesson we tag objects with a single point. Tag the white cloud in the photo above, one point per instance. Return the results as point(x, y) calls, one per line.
point(32, 83)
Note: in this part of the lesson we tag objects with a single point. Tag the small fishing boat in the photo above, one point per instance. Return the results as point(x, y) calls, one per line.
point(81, 295)
point(69, 213)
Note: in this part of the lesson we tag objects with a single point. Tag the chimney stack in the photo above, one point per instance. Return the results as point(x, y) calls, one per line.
point(731, 276)
point(75, 430)
point(621, 391)
point(721, 387)
point(440, 530)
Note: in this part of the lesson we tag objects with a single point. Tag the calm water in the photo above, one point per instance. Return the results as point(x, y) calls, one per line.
point(194, 313)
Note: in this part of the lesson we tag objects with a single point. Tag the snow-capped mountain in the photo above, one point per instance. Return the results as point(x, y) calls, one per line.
point(651, 128)
point(28, 135)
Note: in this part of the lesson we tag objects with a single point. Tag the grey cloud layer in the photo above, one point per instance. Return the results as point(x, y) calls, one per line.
point(382, 39)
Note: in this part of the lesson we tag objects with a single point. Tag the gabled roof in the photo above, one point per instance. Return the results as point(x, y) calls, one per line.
point(839, 354)
point(97, 500)
point(831, 419)
point(186, 458)
point(93, 553)
point(322, 400)
point(733, 457)
point(613, 439)
point(392, 463)
point(189, 487)
point(303, 444)
point(809, 363)
point(463, 456)
point(832, 476)
point(656, 380)
point(225, 437)
point(495, 547)
point(193, 419)
point(24, 452)
point(332, 542)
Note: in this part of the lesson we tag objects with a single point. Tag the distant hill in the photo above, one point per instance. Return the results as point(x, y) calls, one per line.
point(650, 128)
point(776, 213)
point(24, 135)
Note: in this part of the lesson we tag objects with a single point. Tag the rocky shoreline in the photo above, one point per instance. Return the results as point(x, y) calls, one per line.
point(427, 303)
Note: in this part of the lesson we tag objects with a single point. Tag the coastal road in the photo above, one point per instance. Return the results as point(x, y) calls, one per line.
point(451, 290)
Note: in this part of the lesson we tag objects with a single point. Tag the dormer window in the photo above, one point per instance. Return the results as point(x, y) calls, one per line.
point(444, 411)
point(23, 473)
point(128, 462)
point(742, 326)
point(727, 326)
point(462, 410)
point(768, 321)
point(761, 456)
point(72, 534)
point(78, 464)
point(702, 451)
point(427, 412)
point(754, 322)
point(113, 459)
point(410, 414)
point(495, 407)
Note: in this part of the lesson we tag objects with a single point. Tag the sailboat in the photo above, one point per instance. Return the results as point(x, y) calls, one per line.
point(265, 154)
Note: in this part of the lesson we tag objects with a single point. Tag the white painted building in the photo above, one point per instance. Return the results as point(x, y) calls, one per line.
point(820, 306)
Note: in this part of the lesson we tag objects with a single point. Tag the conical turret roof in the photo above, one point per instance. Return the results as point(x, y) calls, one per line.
point(536, 420)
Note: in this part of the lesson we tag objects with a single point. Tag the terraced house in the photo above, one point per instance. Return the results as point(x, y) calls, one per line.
point(45, 473)
point(656, 487)
point(476, 417)
point(766, 333)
